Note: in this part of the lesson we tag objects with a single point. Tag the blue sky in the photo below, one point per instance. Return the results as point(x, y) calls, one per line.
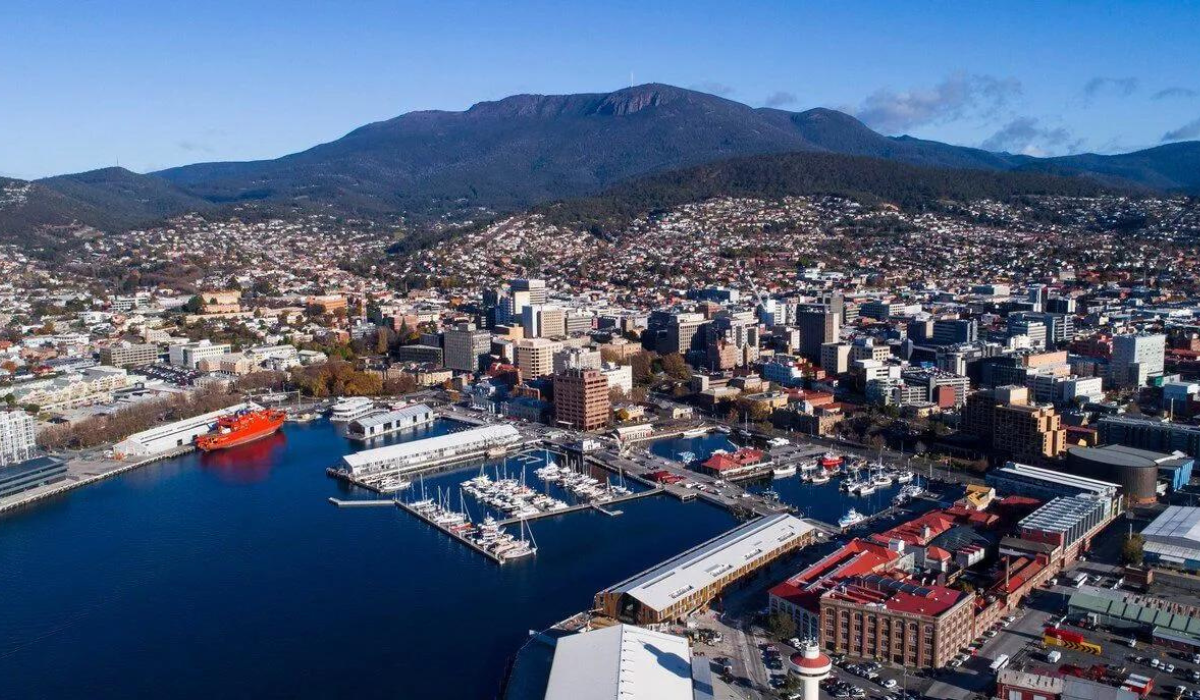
point(156, 84)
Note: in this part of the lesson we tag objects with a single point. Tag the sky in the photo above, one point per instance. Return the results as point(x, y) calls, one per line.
point(151, 85)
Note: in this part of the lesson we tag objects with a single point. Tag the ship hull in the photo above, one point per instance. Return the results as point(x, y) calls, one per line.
point(235, 440)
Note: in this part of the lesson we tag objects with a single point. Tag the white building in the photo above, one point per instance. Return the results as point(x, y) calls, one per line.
point(622, 662)
point(381, 424)
point(431, 451)
point(165, 438)
point(1136, 358)
point(618, 376)
point(189, 354)
point(17, 438)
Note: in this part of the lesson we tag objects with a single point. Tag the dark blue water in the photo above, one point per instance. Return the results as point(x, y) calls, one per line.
point(230, 576)
point(701, 447)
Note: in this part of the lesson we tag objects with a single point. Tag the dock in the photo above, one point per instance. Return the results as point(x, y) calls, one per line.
point(453, 535)
point(360, 503)
point(592, 505)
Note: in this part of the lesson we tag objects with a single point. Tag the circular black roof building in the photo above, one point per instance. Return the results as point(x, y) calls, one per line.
point(1134, 470)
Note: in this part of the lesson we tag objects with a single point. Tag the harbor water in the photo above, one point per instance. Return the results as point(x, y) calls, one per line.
point(229, 575)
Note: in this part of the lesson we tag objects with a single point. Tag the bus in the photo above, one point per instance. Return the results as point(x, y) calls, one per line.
point(1080, 580)
point(1000, 662)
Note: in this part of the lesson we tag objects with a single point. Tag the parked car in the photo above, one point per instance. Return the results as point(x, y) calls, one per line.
point(890, 683)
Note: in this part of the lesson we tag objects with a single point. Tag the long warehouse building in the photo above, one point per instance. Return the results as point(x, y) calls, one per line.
point(685, 582)
point(165, 438)
point(433, 451)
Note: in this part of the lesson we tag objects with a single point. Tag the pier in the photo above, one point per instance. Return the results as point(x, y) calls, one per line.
point(453, 535)
point(591, 505)
point(361, 503)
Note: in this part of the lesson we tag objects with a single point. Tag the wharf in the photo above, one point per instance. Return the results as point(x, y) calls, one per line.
point(593, 505)
point(81, 472)
point(453, 535)
point(361, 503)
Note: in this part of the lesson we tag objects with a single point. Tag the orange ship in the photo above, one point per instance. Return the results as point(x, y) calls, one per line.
point(240, 428)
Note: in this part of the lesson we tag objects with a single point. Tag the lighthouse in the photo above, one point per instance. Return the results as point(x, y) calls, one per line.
point(812, 667)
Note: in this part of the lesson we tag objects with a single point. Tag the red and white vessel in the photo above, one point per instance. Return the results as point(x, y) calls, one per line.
point(241, 428)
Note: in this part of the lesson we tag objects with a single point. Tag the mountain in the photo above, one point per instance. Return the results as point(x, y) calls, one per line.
point(795, 174)
point(527, 149)
point(111, 198)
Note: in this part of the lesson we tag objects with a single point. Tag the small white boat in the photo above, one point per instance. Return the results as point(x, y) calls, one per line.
point(695, 432)
point(780, 472)
point(820, 477)
point(866, 489)
point(850, 519)
point(904, 477)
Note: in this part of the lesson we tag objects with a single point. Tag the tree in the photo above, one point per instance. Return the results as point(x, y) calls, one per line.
point(194, 305)
point(781, 626)
point(640, 364)
point(675, 367)
point(1132, 549)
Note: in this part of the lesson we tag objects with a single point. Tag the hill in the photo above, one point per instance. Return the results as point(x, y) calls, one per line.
point(528, 149)
point(871, 180)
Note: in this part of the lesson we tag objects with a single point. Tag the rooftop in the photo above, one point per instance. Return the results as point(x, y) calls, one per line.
point(621, 662)
point(659, 587)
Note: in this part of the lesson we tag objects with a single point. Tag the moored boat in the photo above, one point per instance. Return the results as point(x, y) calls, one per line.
point(241, 428)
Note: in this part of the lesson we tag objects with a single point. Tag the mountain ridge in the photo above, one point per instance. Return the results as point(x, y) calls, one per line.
point(522, 150)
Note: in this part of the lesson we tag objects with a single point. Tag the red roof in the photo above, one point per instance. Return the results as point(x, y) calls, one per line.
point(744, 457)
point(857, 558)
point(937, 553)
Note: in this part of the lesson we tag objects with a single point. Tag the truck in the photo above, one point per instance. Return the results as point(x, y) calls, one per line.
point(1079, 579)
point(1053, 656)
point(1000, 662)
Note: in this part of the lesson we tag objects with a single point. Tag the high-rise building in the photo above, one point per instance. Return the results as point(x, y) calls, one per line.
point(466, 348)
point(683, 334)
point(1004, 418)
point(542, 321)
point(535, 356)
point(535, 289)
point(17, 439)
point(835, 358)
point(817, 327)
point(1136, 358)
point(581, 399)
point(576, 358)
point(952, 331)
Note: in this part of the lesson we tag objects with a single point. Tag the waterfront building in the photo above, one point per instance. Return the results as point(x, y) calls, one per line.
point(429, 452)
point(380, 424)
point(172, 436)
point(581, 399)
point(17, 437)
point(129, 354)
point(622, 662)
point(676, 587)
point(896, 620)
point(31, 473)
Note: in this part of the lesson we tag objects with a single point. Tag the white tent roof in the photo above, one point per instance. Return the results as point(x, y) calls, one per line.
point(622, 662)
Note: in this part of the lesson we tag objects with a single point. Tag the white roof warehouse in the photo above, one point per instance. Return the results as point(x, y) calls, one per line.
point(681, 584)
point(430, 451)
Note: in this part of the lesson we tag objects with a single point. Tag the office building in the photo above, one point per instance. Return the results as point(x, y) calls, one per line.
point(1016, 479)
point(581, 399)
point(189, 354)
point(466, 348)
point(817, 327)
point(1135, 359)
point(835, 358)
point(618, 377)
point(17, 438)
point(535, 356)
point(129, 354)
point(541, 321)
point(1150, 434)
point(954, 331)
point(425, 354)
point(576, 358)
point(895, 620)
point(534, 288)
